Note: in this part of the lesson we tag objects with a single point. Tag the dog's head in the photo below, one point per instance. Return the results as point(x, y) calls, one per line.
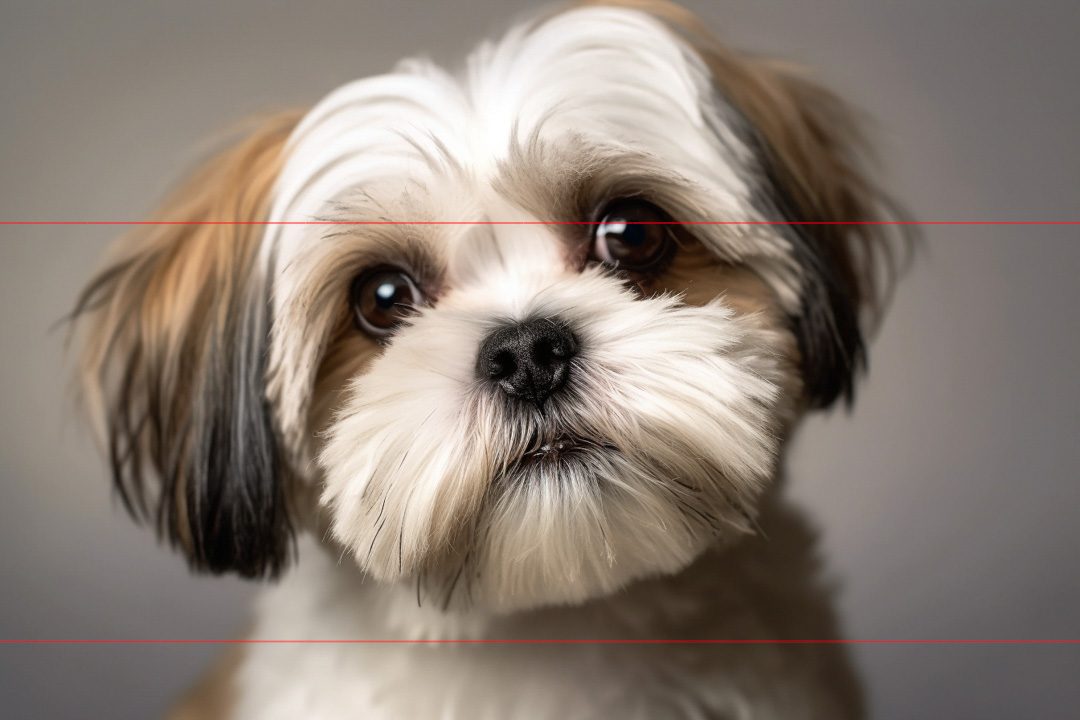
point(521, 336)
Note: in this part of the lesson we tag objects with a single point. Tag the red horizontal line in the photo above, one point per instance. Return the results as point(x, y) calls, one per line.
point(539, 222)
point(257, 641)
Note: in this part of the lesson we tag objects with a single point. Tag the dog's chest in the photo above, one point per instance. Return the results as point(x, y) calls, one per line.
point(328, 679)
point(394, 683)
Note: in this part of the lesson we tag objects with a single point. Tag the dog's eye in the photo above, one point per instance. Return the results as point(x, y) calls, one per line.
point(628, 236)
point(382, 298)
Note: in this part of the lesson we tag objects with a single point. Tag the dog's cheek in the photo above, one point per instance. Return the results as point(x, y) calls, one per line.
point(404, 460)
point(699, 277)
point(348, 356)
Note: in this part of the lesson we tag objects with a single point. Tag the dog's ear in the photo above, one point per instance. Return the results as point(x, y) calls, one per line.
point(813, 160)
point(172, 364)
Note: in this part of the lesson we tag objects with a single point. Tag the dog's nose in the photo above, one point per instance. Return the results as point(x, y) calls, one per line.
point(530, 360)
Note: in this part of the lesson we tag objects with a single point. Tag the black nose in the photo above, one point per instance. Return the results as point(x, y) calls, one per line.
point(530, 360)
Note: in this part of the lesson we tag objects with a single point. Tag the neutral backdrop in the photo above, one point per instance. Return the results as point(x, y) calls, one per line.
point(948, 498)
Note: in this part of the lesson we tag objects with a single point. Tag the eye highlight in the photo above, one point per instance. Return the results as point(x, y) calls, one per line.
point(628, 236)
point(383, 297)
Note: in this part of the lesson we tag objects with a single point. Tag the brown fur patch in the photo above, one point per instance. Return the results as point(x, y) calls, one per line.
point(214, 695)
point(349, 352)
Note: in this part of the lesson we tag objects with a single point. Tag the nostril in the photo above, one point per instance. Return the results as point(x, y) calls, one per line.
point(562, 346)
point(544, 352)
point(502, 365)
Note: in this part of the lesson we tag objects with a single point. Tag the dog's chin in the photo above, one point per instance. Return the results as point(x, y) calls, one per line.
point(567, 525)
point(571, 518)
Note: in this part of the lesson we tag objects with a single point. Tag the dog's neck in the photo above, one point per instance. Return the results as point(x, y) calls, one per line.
point(327, 597)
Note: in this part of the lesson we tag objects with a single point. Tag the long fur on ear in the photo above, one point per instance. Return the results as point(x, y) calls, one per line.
point(173, 362)
point(813, 171)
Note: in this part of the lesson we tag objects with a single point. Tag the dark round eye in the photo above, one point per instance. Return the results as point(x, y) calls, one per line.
point(628, 237)
point(382, 298)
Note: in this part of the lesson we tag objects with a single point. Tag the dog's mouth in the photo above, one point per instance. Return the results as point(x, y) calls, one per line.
point(543, 448)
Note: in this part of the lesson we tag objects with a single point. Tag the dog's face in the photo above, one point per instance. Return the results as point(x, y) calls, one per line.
point(545, 336)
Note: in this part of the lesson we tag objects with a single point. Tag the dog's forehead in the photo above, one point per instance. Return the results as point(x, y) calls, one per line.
point(422, 145)
point(605, 72)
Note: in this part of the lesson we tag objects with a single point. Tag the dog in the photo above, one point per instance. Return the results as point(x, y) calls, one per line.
point(506, 355)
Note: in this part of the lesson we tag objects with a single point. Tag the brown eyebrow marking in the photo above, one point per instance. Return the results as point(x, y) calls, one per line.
point(569, 181)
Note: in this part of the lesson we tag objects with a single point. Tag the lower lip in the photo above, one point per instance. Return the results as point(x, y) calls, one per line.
point(555, 450)
point(561, 448)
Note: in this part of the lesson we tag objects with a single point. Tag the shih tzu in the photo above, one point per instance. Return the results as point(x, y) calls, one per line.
point(517, 350)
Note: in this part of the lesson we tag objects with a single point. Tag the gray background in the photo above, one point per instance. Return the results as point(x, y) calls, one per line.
point(949, 496)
